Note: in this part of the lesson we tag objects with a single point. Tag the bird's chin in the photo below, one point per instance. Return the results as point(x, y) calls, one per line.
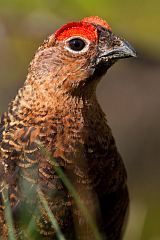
point(102, 67)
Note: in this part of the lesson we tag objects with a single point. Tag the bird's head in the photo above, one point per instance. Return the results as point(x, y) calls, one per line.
point(78, 53)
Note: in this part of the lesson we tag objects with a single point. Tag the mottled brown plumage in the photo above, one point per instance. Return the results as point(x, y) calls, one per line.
point(57, 106)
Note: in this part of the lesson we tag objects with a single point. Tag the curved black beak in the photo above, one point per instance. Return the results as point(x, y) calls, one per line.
point(118, 49)
point(125, 50)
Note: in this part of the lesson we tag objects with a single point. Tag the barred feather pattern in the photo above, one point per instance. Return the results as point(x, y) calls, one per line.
point(81, 153)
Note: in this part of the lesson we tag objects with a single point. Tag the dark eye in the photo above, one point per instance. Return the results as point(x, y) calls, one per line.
point(76, 44)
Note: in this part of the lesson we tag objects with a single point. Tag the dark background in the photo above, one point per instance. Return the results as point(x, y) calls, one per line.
point(129, 93)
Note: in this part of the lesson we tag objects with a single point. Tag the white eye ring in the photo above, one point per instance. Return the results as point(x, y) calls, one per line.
point(84, 41)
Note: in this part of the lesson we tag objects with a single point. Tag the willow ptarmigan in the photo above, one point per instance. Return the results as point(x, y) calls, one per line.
point(57, 107)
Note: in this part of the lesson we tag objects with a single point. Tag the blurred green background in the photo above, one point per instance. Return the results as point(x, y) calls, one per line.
point(129, 93)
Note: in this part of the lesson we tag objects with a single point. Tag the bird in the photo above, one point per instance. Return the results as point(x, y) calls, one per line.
point(57, 108)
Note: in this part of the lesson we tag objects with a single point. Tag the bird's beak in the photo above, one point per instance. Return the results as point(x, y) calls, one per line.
point(120, 49)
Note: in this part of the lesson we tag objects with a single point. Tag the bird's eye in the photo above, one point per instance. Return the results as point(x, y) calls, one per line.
point(76, 44)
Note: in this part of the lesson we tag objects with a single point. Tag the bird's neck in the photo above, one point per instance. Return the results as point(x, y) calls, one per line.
point(35, 102)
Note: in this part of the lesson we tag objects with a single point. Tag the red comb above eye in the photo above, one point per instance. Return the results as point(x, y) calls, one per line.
point(97, 20)
point(82, 29)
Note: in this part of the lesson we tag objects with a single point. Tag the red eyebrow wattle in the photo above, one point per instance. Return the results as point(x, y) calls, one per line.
point(81, 29)
point(97, 20)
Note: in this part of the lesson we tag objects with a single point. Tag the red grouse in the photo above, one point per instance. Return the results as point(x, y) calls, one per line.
point(57, 107)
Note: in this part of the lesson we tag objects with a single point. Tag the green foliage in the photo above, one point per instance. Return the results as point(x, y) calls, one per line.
point(51, 216)
point(8, 213)
point(141, 227)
